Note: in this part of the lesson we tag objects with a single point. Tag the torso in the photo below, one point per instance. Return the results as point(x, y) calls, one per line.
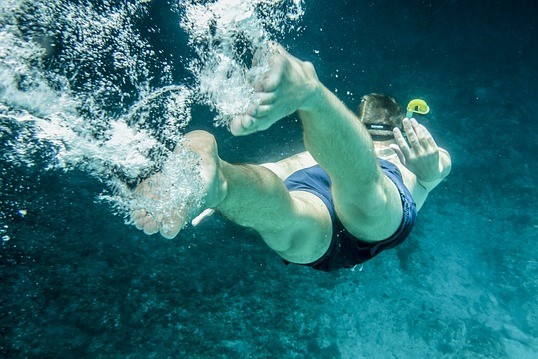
point(284, 168)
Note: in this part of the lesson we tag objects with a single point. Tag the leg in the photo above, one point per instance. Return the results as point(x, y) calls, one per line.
point(367, 202)
point(297, 225)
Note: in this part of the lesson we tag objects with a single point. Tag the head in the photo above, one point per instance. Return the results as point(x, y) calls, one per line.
point(380, 114)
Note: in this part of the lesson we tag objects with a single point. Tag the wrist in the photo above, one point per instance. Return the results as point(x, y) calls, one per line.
point(432, 179)
point(312, 89)
point(428, 184)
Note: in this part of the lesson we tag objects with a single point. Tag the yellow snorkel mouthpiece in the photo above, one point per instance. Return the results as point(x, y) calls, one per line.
point(417, 106)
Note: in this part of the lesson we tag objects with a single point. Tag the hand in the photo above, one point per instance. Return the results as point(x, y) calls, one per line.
point(421, 156)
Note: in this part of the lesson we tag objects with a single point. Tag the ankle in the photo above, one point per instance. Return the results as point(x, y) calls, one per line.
point(314, 100)
point(312, 88)
point(314, 93)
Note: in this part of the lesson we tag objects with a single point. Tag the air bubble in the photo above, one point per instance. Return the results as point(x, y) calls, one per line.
point(105, 105)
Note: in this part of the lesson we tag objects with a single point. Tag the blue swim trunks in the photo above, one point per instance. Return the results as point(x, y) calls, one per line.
point(345, 250)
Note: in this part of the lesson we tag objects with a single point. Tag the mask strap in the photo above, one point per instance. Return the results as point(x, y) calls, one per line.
point(379, 126)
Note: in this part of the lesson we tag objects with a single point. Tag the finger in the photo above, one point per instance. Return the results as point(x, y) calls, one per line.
point(431, 142)
point(421, 132)
point(402, 143)
point(199, 218)
point(428, 138)
point(398, 152)
point(417, 125)
point(419, 129)
point(425, 137)
point(411, 134)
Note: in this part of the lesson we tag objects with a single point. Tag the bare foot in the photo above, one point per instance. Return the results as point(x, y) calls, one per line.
point(169, 218)
point(286, 87)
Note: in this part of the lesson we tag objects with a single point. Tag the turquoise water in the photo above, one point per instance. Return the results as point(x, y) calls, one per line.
point(77, 282)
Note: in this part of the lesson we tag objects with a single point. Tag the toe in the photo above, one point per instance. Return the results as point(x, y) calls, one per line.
point(262, 111)
point(170, 231)
point(137, 214)
point(266, 98)
point(151, 227)
point(142, 221)
point(173, 225)
point(242, 125)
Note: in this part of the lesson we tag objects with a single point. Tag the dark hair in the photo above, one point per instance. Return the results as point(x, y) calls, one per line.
point(377, 109)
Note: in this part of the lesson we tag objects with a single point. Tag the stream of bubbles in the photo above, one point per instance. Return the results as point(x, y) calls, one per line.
point(82, 87)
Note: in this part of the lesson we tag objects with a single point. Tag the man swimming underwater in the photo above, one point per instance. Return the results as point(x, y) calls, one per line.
point(354, 193)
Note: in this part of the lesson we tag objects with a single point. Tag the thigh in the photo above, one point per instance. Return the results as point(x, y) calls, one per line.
point(309, 237)
point(371, 213)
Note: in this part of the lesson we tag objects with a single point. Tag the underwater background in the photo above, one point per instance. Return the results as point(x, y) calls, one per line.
point(75, 281)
